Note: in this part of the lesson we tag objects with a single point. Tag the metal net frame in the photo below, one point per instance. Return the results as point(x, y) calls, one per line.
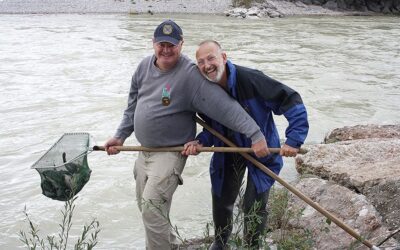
point(64, 168)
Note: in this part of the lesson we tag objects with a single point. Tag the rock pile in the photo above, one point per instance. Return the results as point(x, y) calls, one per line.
point(365, 160)
point(379, 6)
point(281, 8)
point(277, 8)
point(351, 208)
point(260, 10)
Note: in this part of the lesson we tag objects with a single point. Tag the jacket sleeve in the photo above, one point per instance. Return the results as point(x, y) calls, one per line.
point(205, 137)
point(284, 100)
point(214, 102)
point(297, 130)
point(126, 126)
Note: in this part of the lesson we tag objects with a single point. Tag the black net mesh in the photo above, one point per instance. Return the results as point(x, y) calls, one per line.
point(64, 168)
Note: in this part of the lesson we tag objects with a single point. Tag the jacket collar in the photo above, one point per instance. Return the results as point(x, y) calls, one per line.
point(231, 81)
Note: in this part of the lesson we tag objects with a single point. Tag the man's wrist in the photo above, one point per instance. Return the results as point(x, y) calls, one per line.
point(293, 143)
point(257, 137)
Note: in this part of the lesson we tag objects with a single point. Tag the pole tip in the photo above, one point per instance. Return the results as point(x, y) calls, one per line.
point(375, 248)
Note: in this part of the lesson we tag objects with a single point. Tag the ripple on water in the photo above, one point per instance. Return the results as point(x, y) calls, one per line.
point(71, 73)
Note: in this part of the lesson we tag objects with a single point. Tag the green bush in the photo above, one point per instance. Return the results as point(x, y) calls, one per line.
point(87, 240)
point(278, 229)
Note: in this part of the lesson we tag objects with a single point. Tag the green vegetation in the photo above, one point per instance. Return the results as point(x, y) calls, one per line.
point(284, 234)
point(87, 240)
point(158, 208)
point(281, 233)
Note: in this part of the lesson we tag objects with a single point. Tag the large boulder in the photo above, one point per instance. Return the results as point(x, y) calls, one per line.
point(363, 132)
point(365, 159)
point(358, 164)
point(386, 198)
point(352, 209)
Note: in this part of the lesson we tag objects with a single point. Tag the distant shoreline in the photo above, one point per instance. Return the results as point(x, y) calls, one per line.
point(155, 6)
point(112, 6)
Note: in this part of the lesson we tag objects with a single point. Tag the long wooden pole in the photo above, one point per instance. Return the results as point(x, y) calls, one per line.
point(180, 148)
point(292, 189)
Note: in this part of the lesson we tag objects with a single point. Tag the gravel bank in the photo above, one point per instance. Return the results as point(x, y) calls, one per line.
point(181, 6)
point(285, 8)
point(112, 6)
point(63, 6)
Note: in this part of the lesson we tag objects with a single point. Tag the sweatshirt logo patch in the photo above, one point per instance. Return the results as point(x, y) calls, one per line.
point(166, 95)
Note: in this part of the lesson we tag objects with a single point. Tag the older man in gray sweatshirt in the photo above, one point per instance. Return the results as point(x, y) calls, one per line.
point(166, 91)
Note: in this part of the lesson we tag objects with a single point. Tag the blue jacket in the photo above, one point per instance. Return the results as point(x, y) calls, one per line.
point(260, 96)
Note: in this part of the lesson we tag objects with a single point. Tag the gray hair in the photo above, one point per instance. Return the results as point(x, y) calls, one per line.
point(211, 41)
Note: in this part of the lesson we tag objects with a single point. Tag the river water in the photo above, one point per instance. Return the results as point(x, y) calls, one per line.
point(70, 73)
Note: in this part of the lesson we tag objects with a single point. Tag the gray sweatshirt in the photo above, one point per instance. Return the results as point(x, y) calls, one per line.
point(162, 106)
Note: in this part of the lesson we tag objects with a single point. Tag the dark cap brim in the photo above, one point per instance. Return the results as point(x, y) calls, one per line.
point(167, 39)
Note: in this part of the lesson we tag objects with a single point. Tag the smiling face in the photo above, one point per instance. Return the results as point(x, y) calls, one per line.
point(167, 54)
point(211, 61)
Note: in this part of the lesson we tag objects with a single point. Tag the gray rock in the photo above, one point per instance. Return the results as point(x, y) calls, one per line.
point(387, 5)
point(341, 4)
point(353, 164)
point(274, 14)
point(300, 4)
point(386, 198)
point(253, 11)
point(396, 4)
point(228, 12)
point(332, 4)
point(351, 208)
point(236, 12)
point(252, 17)
point(394, 10)
point(240, 11)
point(365, 159)
point(269, 5)
point(386, 10)
point(318, 2)
point(373, 6)
point(308, 2)
point(262, 14)
point(237, 15)
point(363, 132)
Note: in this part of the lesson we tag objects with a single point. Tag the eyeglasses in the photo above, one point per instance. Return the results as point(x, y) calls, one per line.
point(209, 59)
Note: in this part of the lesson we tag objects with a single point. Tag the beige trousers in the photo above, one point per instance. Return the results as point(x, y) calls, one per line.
point(157, 176)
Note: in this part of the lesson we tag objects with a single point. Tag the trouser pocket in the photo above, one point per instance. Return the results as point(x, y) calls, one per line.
point(163, 175)
point(174, 178)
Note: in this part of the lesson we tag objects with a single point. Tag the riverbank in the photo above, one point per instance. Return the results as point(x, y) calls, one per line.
point(112, 6)
point(283, 8)
point(354, 177)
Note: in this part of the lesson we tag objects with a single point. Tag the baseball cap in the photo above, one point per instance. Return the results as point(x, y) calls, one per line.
point(168, 31)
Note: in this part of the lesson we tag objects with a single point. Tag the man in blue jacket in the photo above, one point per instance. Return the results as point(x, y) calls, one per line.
point(260, 96)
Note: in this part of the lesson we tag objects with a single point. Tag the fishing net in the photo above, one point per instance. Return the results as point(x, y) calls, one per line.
point(64, 168)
